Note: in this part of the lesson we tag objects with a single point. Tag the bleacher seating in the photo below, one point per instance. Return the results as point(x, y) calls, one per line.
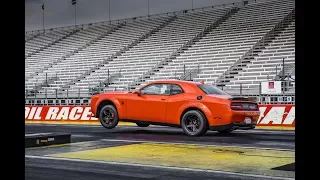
point(78, 59)
point(45, 61)
point(224, 46)
point(44, 40)
point(160, 45)
point(109, 46)
point(264, 65)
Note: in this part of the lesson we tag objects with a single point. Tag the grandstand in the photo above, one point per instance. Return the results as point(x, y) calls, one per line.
point(234, 46)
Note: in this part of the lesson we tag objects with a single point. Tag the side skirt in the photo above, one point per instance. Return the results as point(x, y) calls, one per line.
point(151, 123)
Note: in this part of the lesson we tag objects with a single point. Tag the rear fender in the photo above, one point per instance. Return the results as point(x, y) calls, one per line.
point(197, 105)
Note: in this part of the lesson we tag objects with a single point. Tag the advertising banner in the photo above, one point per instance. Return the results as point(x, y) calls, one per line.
point(271, 115)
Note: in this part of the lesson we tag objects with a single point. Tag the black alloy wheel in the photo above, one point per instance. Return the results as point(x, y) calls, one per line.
point(109, 116)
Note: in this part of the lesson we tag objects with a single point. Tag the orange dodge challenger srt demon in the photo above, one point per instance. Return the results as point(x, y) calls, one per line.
point(193, 106)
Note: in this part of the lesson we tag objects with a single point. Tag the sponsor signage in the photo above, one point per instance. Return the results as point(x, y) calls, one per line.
point(279, 115)
point(70, 113)
point(271, 87)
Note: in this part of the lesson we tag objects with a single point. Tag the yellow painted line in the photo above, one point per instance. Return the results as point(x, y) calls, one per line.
point(255, 161)
point(276, 127)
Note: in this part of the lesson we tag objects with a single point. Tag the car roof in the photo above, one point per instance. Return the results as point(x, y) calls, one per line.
point(173, 81)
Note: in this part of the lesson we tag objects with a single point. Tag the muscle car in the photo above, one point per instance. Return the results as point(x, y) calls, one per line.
point(195, 107)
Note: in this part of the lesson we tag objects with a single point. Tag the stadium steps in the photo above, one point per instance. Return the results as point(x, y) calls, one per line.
point(52, 43)
point(36, 35)
point(75, 51)
point(142, 79)
point(255, 50)
point(117, 54)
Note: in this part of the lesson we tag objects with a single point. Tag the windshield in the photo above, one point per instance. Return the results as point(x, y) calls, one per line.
point(210, 89)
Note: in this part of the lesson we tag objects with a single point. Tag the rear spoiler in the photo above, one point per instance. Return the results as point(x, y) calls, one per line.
point(239, 98)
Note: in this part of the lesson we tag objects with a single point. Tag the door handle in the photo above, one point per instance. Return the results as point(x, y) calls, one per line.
point(163, 99)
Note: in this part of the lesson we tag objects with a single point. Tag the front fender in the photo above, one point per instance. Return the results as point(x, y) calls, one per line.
point(115, 101)
point(197, 105)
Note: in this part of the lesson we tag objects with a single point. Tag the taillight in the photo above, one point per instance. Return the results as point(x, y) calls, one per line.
point(244, 106)
point(236, 106)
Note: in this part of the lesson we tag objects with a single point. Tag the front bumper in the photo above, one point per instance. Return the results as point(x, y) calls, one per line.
point(234, 125)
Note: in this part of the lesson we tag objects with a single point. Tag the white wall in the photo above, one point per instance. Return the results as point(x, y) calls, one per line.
point(60, 13)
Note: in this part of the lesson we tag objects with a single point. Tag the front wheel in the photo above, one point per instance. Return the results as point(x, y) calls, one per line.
point(194, 123)
point(109, 116)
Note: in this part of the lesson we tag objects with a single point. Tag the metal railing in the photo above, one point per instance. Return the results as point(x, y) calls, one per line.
point(242, 89)
point(275, 71)
point(287, 88)
point(261, 99)
point(190, 74)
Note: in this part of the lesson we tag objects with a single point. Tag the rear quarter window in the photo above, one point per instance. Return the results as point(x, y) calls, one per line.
point(210, 89)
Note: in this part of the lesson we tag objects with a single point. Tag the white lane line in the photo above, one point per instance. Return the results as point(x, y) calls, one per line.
point(81, 135)
point(155, 126)
point(155, 166)
point(181, 143)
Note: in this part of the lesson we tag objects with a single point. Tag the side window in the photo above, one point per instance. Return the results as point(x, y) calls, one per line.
point(156, 89)
point(175, 89)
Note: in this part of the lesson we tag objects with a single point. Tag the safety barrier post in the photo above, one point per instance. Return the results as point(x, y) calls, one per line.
point(184, 69)
point(240, 89)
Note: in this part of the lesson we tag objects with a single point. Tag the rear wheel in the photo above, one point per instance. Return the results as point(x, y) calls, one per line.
point(109, 116)
point(194, 123)
point(140, 124)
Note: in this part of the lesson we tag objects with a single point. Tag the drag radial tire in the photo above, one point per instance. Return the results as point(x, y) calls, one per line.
point(194, 123)
point(109, 116)
point(142, 124)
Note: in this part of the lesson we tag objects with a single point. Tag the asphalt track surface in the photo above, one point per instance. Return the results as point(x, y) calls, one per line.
point(38, 166)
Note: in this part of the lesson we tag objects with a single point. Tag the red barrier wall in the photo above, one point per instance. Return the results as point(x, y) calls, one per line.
point(271, 115)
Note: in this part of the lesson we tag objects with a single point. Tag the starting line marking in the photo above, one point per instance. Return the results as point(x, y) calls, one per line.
point(181, 143)
point(155, 166)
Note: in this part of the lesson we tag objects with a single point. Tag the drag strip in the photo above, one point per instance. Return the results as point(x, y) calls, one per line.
point(251, 138)
point(130, 152)
point(39, 168)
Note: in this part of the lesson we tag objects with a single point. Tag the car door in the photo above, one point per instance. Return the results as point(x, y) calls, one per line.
point(176, 99)
point(150, 104)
